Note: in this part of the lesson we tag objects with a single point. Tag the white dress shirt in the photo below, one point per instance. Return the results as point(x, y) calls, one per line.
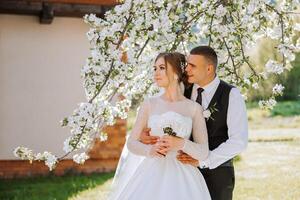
point(236, 121)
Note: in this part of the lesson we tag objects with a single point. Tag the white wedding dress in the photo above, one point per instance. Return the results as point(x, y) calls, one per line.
point(163, 178)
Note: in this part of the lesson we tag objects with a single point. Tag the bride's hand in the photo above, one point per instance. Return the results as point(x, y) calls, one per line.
point(172, 142)
point(146, 138)
point(156, 150)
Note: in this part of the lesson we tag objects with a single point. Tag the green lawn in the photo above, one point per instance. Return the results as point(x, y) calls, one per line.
point(282, 108)
point(286, 108)
point(50, 188)
point(284, 115)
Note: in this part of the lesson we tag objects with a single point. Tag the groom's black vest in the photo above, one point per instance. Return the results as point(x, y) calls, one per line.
point(217, 123)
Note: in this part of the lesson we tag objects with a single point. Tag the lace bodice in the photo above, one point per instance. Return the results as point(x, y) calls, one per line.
point(185, 118)
point(180, 124)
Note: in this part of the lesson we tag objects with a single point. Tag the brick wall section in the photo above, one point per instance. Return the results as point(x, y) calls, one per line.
point(110, 149)
point(104, 158)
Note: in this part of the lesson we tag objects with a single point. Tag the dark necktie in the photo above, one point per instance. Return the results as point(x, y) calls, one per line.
point(199, 97)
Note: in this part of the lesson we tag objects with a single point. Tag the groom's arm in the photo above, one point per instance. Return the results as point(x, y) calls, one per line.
point(187, 159)
point(237, 132)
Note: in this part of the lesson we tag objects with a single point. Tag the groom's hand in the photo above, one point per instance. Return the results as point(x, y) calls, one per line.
point(187, 159)
point(146, 138)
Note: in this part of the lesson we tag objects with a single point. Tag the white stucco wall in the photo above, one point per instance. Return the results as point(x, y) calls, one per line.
point(39, 80)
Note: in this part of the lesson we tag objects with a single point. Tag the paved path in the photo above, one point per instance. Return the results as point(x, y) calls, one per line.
point(295, 133)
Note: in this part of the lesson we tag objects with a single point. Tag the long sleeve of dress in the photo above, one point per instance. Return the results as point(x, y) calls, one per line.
point(133, 143)
point(199, 148)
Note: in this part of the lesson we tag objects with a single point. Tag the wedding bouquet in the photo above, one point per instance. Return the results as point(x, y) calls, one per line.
point(169, 131)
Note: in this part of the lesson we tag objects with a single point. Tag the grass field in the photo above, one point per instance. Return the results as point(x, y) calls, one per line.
point(284, 108)
point(50, 188)
point(269, 170)
point(284, 115)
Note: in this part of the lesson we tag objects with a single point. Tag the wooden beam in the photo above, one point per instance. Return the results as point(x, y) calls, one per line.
point(47, 13)
point(93, 2)
point(47, 10)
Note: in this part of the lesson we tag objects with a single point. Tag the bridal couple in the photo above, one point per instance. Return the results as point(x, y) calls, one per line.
point(208, 127)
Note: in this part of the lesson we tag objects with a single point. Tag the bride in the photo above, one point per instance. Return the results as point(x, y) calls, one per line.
point(154, 172)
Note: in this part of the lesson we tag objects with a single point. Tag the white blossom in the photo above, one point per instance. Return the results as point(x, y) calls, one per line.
point(274, 67)
point(24, 153)
point(221, 11)
point(287, 51)
point(92, 17)
point(39, 156)
point(255, 86)
point(277, 89)
point(50, 160)
point(267, 104)
point(67, 147)
point(247, 81)
point(80, 158)
point(297, 27)
point(274, 33)
point(251, 8)
point(297, 47)
point(103, 136)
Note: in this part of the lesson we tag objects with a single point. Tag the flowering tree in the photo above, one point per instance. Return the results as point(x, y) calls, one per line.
point(142, 28)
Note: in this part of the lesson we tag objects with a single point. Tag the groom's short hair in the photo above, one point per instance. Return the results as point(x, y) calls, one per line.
point(208, 52)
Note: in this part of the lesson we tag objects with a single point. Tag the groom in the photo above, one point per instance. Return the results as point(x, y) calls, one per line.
point(227, 124)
